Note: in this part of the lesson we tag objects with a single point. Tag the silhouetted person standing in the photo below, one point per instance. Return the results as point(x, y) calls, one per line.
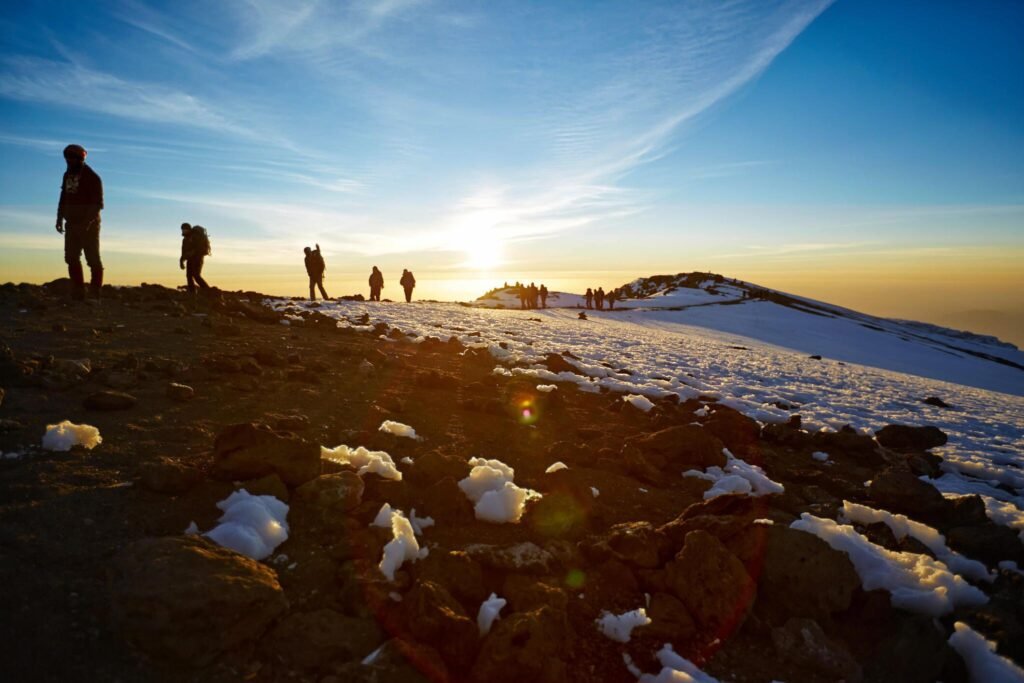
point(524, 294)
point(543, 296)
point(612, 296)
point(376, 284)
point(408, 282)
point(78, 219)
point(599, 298)
point(195, 246)
point(532, 296)
point(590, 297)
point(315, 268)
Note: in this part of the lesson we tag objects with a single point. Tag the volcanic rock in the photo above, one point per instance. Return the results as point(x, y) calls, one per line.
point(169, 477)
point(907, 438)
point(435, 617)
point(180, 392)
point(900, 491)
point(685, 446)
point(525, 646)
point(802, 642)
point(332, 494)
point(712, 583)
point(188, 600)
point(310, 640)
point(252, 449)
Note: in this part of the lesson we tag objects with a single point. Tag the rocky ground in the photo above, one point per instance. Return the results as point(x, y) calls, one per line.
point(196, 399)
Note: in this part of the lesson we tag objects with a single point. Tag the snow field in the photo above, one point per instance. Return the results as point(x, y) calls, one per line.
point(66, 435)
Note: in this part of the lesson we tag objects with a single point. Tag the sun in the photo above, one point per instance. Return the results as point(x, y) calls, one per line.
point(483, 251)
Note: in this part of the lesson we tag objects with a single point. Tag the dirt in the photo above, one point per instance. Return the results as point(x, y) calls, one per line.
point(65, 516)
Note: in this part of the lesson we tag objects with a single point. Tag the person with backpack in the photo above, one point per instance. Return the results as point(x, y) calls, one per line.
point(599, 298)
point(590, 297)
point(612, 298)
point(543, 296)
point(315, 268)
point(78, 219)
point(408, 282)
point(195, 247)
point(376, 284)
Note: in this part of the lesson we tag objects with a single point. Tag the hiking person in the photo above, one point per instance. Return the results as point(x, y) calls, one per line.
point(532, 296)
point(195, 247)
point(599, 298)
point(612, 296)
point(376, 284)
point(315, 268)
point(543, 296)
point(408, 282)
point(78, 219)
point(590, 297)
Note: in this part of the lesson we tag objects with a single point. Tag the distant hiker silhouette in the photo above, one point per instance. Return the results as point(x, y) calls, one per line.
point(376, 284)
point(315, 268)
point(531, 298)
point(599, 298)
point(524, 295)
point(543, 296)
point(590, 297)
point(78, 219)
point(612, 297)
point(195, 247)
point(408, 282)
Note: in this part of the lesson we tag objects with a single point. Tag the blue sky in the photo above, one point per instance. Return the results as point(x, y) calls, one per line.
point(489, 139)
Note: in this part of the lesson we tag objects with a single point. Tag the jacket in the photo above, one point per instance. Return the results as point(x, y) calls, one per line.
point(407, 281)
point(81, 195)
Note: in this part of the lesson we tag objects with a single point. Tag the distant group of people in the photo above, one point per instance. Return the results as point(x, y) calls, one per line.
point(78, 219)
point(597, 299)
point(530, 295)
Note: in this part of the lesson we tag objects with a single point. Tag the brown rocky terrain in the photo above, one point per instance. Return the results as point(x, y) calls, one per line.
point(193, 400)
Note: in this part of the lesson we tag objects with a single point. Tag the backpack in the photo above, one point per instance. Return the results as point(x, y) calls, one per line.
point(201, 241)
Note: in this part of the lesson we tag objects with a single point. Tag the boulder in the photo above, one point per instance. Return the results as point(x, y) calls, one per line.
point(738, 432)
point(270, 485)
point(524, 557)
point(312, 640)
point(434, 617)
point(332, 494)
point(638, 544)
point(180, 392)
point(525, 593)
point(802, 642)
point(990, 543)
point(169, 477)
point(825, 577)
point(445, 501)
point(525, 646)
point(683, 446)
point(712, 583)
point(915, 651)
point(250, 450)
point(555, 362)
point(907, 438)
point(187, 600)
point(900, 491)
point(109, 400)
point(670, 621)
point(456, 571)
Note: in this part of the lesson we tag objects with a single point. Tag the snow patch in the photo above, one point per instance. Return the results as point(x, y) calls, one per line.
point(676, 669)
point(619, 627)
point(491, 488)
point(489, 611)
point(66, 435)
point(637, 401)
point(365, 461)
point(401, 548)
point(546, 388)
point(916, 582)
point(556, 467)
point(251, 525)
point(738, 476)
point(820, 456)
point(979, 654)
point(399, 429)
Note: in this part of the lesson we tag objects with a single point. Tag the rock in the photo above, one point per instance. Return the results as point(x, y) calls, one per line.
point(332, 494)
point(525, 593)
point(826, 577)
point(721, 516)
point(434, 617)
point(436, 465)
point(684, 446)
point(399, 660)
point(907, 438)
point(916, 652)
point(900, 491)
point(250, 450)
point(712, 583)
point(555, 362)
point(120, 379)
point(169, 477)
point(849, 441)
point(637, 465)
point(311, 640)
point(967, 511)
point(638, 544)
point(738, 432)
point(670, 621)
point(445, 501)
point(289, 423)
point(935, 401)
point(270, 485)
point(457, 572)
point(187, 600)
point(525, 646)
point(990, 543)
point(270, 357)
point(524, 557)
point(802, 642)
point(179, 392)
point(109, 400)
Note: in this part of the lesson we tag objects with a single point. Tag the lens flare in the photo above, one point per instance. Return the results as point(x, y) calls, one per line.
point(526, 408)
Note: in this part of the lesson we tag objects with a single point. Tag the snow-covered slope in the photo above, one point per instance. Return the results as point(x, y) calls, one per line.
point(656, 353)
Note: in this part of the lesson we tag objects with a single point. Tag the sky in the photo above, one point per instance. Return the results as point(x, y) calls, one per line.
point(867, 153)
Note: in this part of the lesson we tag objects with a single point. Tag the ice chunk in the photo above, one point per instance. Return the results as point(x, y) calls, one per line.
point(738, 476)
point(251, 525)
point(383, 518)
point(419, 523)
point(619, 627)
point(916, 582)
point(66, 435)
point(594, 492)
point(495, 496)
point(556, 467)
point(676, 669)
point(365, 461)
point(637, 401)
point(399, 429)
point(979, 654)
point(820, 456)
point(489, 612)
point(401, 548)
point(546, 388)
